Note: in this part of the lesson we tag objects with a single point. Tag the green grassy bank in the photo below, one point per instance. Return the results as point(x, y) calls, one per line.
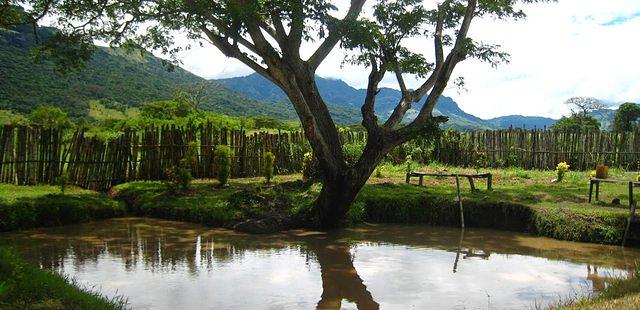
point(23, 207)
point(25, 286)
point(206, 203)
point(401, 203)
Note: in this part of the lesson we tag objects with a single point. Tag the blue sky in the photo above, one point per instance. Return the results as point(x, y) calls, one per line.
point(563, 49)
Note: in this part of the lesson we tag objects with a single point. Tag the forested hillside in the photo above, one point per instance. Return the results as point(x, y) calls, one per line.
point(116, 78)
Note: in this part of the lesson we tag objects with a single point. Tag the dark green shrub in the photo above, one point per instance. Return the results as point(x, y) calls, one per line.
point(269, 162)
point(310, 169)
point(222, 163)
point(180, 175)
point(63, 183)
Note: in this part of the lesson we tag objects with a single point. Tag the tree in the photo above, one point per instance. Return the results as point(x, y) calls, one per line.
point(584, 105)
point(577, 122)
point(49, 116)
point(268, 36)
point(166, 109)
point(194, 95)
point(627, 117)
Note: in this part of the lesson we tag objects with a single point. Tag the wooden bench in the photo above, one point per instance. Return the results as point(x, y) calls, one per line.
point(421, 174)
point(596, 182)
point(632, 221)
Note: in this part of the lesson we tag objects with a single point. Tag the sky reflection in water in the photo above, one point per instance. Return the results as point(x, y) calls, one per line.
point(168, 265)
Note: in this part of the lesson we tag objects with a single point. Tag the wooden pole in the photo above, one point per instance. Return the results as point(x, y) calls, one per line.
point(460, 201)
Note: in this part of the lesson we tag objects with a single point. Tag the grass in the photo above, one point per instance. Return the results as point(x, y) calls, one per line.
point(206, 203)
point(23, 207)
point(523, 200)
point(24, 286)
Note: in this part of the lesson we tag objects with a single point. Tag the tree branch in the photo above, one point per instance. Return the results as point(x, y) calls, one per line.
point(369, 119)
point(334, 37)
point(456, 55)
point(428, 84)
point(233, 51)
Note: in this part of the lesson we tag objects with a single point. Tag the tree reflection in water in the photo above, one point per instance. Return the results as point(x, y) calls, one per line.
point(340, 279)
point(163, 247)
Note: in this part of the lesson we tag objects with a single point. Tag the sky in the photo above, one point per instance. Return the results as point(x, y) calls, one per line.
point(561, 50)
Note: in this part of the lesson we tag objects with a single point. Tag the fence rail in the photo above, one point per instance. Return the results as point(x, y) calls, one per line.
point(33, 155)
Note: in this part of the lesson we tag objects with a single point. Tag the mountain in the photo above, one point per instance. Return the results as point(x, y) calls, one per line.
point(339, 93)
point(114, 75)
point(519, 121)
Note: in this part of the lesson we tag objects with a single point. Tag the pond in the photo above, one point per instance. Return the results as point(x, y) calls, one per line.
point(159, 264)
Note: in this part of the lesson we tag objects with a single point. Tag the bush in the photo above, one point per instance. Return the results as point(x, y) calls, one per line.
point(180, 175)
point(352, 152)
point(409, 163)
point(63, 182)
point(310, 170)
point(379, 170)
point(269, 161)
point(222, 163)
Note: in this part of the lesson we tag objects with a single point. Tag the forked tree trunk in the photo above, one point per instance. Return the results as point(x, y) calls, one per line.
point(335, 198)
point(340, 189)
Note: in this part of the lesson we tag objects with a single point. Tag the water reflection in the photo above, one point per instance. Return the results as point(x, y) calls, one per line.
point(161, 264)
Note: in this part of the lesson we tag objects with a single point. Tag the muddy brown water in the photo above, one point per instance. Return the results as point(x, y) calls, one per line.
point(159, 264)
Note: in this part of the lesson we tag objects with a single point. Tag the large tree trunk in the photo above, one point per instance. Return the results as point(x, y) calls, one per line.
point(335, 198)
point(339, 189)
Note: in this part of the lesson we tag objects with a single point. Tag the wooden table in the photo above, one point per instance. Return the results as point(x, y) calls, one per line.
point(421, 174)
point(596, 182)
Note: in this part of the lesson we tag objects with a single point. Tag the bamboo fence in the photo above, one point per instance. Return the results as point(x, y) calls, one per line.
point(34, 155)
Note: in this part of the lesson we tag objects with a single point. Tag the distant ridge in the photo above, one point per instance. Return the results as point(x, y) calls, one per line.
point(520, 121)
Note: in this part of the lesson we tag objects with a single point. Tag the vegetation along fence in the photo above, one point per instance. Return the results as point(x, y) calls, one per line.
point(33, 155)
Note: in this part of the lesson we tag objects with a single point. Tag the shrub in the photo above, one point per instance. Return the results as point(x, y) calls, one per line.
point(222, 163)
point(379, 171)
point(408, 161)
point(309, 167)
point(561, 170)
point(352, 152)
point(63, 182)
point(180, 175)
point(269, 161)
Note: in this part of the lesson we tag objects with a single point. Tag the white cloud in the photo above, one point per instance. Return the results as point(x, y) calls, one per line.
point(564, 49)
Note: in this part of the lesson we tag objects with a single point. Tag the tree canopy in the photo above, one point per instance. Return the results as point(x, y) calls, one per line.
point(584, 105)
point(577, 122)
point(627, 117)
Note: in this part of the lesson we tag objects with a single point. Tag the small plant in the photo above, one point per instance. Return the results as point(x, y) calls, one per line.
point(222, 164)
point(309, 167)
point(561, 170)
point(269, 161)
point(409, 162)
point(180, 175)
point(638, 178)
point(352, 152)
point(480, 160)
point(379, 171)
point(63, 183)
